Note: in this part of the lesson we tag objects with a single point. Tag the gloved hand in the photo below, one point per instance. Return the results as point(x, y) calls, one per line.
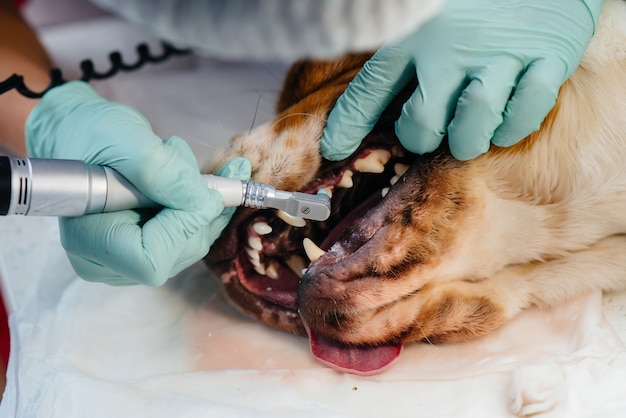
point(487, 71)
point(72, 121)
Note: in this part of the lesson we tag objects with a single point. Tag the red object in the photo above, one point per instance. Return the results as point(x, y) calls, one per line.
point(5, 340)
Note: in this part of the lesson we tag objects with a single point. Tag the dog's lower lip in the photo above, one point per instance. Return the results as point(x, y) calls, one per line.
point(282, 292)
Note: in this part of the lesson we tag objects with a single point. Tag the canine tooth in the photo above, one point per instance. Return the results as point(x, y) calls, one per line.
point(394, 180)
point(255, 242)
point(400, 168)
point(312, 250)
point(271, 271)
point(297, 264)
point(374, 162)
point(291, 220)
point(329, 191)
point(385, 191)
point(262, 228)
point(346, 180)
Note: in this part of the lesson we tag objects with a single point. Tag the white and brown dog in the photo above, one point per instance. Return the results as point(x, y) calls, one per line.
point(427, 247)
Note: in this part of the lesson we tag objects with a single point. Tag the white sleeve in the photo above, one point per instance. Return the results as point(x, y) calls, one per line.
point(276, 29)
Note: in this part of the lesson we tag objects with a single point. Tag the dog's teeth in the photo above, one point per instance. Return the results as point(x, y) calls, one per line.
point(256, 262)
point(291, 220)
point(329, 191)
point(400, 168)
point(262, 228)
point(374, 162)
point(254, 258)
point(296, 264)
point(255, 242)
point(346, 180)
point(271, 271)
point(259, 269)
point(312, 250)
point(253, 255)
point(385, 191)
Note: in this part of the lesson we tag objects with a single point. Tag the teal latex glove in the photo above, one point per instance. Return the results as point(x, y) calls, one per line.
point(488, 71)
point(72, 121)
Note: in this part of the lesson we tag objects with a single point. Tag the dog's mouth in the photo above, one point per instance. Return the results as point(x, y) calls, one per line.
point(263, 254)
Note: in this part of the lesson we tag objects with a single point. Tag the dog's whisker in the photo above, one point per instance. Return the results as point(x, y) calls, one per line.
point(323, 119)
point(425, 336)
point(337, 321)
point(256, 111)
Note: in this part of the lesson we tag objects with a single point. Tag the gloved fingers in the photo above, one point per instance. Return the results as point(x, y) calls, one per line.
point(358, 109)
point(182, 148)
point(61, 100)
point(121, 138)
point(534, 96)
point(480, 108)
point(166, 176)
point(196, 246)
point(236, 168)
point(217, 226)
point(199, 245)
point(107, 246)
point(426, 115)
point(173, 238)
point(132, 246)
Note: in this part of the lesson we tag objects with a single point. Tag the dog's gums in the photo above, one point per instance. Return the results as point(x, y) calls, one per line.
point(428, 248)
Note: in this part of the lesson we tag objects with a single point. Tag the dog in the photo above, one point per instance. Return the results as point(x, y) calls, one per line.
point(428, 248)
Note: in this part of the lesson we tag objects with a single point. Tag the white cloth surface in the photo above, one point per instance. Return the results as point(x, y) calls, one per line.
point(88, 350)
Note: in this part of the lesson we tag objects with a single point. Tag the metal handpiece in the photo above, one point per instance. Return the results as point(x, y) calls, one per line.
point(73, 188)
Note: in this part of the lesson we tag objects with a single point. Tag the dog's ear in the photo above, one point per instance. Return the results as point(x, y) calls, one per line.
point(307, 76)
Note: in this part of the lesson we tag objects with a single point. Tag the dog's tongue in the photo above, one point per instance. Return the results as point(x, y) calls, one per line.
point(361, 360)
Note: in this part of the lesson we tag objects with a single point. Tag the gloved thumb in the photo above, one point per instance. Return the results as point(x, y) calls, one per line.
point(236, 168)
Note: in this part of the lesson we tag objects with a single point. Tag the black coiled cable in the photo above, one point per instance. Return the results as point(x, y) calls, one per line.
point(89, 72)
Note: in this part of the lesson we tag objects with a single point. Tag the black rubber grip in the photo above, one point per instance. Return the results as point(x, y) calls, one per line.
point(5, 185)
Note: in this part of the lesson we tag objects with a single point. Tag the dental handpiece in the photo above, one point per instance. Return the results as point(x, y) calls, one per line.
point(50, 187)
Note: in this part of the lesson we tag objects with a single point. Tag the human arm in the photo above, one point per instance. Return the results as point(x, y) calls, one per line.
point(23, 54)
point(276, 29)
point(488, 72)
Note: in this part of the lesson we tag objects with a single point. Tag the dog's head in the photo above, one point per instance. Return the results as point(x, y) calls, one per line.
point(392, 265)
